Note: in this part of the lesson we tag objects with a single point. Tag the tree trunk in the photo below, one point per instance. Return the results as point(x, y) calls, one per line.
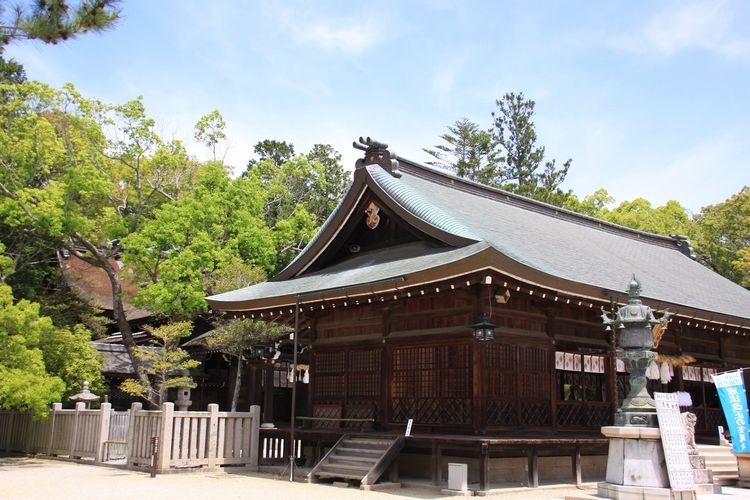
point(118, 310)
point(237, 382)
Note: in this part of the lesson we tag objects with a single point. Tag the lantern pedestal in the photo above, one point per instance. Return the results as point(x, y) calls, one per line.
point(743, 470)
point(636, 467)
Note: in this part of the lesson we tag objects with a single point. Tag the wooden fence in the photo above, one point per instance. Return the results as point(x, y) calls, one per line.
point(186, 439)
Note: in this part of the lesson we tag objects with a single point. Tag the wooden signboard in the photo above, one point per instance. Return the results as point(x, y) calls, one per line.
point(673, 440)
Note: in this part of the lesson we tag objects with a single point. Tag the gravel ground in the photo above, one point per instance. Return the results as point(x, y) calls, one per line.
point(38, 478)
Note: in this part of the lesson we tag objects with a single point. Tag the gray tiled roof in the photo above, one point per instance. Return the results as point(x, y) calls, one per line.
point(364, 268)
point(573, 249)
point(564, 246)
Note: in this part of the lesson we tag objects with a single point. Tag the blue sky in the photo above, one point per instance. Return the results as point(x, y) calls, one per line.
point(649, 98)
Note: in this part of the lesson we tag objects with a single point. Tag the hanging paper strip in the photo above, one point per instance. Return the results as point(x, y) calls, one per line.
point(560, 360)
point(620, 365)
point(569, 361)
point(587, 363)
point(731, 389)
point(577, 362)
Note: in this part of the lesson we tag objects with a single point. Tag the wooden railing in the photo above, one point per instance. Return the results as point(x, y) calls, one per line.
point(184, 439)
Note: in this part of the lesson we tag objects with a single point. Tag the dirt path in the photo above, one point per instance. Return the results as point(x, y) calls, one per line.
point(37, 478)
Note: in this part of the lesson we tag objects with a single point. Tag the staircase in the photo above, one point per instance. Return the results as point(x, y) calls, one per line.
point(722, 462)
point(358, 458)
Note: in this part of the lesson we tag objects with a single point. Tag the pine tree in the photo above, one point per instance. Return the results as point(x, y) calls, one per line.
point(53, 21)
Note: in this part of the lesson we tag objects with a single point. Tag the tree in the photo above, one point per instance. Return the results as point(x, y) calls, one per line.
point(721, 236)
point(210, 130)
point(40, 362)
point(671, 218)
point(332, 184)
point(73, 185)
point(594, 205)
point(165, 364)
point(279, 152)
point(11, 71)
point(300, 192)
point(236, 337)
point(513, 131)
point(26, 384)
point(190, 241)
point(52, 21)
point(469, 152)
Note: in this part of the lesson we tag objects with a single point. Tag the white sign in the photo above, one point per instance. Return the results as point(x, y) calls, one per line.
point(408, 427)
point(672, 431)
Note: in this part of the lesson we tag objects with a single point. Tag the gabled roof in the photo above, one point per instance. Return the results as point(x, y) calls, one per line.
point(477, 227)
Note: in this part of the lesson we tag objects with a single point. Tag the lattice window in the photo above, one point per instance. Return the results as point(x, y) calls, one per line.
point(432, 384)
point(328, 382)
point(501, 367)
point(364, 373)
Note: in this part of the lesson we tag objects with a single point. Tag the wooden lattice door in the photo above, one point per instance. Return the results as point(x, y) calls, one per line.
point(431, 384)
point(518, 385)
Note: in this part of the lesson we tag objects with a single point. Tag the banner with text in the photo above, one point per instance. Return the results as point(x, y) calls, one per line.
point(731, 389)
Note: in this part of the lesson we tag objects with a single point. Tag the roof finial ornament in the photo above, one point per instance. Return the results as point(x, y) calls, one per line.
point(376, 153)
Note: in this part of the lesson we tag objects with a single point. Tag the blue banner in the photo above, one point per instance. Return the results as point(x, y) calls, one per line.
point(731, 389)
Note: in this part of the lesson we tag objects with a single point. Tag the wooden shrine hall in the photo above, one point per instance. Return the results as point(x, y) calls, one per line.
point(476, 313)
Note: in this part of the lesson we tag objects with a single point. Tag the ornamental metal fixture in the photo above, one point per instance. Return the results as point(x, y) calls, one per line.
point(373, 219)
point(376, 153)
point(633, 324)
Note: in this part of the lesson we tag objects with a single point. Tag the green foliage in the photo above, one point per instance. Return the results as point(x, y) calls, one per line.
point(210, 130)
point(515, 134)
point(40, 362)
point(201, 234)
point(279, 152)
point(469, 152)
point(721, 237)
point(300, 193)
point(53, 21)
point(11, 71)
point(235, 274)
point(165, 364)
point(594, 205)
point(639, 214)
point(505, 157)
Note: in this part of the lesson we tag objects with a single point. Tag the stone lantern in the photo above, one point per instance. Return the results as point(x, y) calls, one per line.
point(85, 396)
point(633, 323)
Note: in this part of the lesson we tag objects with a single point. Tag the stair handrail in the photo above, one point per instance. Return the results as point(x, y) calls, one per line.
point(385, 460)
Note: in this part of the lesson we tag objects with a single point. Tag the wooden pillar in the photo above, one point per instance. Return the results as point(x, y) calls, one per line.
point(551, 331)
point(437, 471)
point(484, 467)
point(268, 388)
point(576, 463)
point(533, 466)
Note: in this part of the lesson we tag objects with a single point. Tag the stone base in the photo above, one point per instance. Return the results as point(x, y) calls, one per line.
point(607, 490)
point(636, 457)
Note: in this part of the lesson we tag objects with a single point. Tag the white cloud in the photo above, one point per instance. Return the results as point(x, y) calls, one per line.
point(353, 35)
point(682, 25)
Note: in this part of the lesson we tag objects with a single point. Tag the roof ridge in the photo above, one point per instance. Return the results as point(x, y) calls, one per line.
point(472, 187)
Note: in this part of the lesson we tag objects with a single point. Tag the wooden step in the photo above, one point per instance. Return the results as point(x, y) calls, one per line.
point(353, 458)
point(325, 475)
point(357, 458)
point(350, 467)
